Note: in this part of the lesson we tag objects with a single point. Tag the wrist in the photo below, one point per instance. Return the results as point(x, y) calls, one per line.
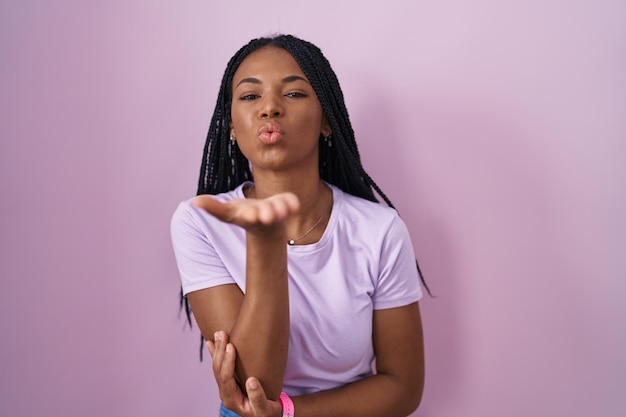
point(272, 231)
point(286, 404)
point(267, 234)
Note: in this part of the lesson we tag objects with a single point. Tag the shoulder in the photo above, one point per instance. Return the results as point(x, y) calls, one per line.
point(373, 213)
point(367, 223)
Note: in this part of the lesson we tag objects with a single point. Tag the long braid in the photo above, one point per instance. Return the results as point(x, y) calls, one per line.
point(347, 171)
point(224, 167)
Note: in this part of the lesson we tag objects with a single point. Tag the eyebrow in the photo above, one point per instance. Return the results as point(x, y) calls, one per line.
point(293, 78)
point(289, 79)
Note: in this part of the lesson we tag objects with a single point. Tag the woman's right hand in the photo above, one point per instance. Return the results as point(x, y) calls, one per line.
point(255, 403)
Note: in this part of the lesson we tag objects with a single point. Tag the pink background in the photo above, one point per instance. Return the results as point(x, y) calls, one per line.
point(497, 128)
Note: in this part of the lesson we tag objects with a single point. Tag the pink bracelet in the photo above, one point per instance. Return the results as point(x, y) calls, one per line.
point(287, 404)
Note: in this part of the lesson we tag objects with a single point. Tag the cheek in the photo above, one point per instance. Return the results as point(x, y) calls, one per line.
point(312, 123)
point(238, 121)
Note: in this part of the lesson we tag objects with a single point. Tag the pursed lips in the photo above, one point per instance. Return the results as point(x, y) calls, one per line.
point(270, 133)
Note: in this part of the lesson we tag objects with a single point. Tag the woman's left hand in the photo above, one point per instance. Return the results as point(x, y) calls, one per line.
point(256, 403)
point(256, 215)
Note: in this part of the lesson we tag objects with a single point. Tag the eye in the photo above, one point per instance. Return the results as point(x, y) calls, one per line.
point(296, 94)
point(248, 97)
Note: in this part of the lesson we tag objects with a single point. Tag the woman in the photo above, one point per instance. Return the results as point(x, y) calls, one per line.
point(297, 277)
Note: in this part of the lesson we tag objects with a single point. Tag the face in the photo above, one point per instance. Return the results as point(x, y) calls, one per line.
point(276, 117)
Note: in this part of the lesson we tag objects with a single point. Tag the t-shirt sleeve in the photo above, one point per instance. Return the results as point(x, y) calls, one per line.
point(398, 280)
point(198, 263)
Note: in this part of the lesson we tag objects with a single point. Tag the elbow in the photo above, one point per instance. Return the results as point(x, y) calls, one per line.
point(414, 402)
point(412, 394)
point(411, 401)
point(272, 391)
point(270, 379)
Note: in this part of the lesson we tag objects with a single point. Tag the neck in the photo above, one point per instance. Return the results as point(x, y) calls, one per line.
point(315, 205)
point(307, 188)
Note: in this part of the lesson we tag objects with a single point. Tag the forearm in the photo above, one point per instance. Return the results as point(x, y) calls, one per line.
point(396, 389)
point(378, 395)
point(261, 331)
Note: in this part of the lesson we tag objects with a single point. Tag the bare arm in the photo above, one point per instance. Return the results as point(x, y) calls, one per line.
point(396, 389)
point(257, 322)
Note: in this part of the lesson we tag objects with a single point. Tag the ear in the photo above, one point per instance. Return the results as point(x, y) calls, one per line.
point(326, 129)
point(232, 131)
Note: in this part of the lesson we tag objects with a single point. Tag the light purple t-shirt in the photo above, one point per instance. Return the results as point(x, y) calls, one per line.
point(363, 262)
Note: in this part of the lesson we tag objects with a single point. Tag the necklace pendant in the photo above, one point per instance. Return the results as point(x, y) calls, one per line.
point(291, 242)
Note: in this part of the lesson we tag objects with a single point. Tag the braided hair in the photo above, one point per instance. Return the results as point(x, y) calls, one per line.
point(224, 167)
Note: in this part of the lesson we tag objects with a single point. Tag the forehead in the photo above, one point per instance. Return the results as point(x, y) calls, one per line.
point(268, 62)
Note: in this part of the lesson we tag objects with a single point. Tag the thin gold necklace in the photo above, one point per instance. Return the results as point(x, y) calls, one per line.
point(292, 242)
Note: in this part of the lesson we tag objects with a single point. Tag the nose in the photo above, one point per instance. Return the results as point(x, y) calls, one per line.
point(271, 107)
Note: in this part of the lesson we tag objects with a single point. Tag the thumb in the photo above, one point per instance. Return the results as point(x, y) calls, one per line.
point(256, 395)
point(211, 346)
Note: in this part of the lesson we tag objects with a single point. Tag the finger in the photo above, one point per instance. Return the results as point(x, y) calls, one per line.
point(230, 392)
point(272, 211)
point(278, 208)
point(211, 346)
point(292, 202)
point(212, 206)
point(225, 373)
point(228, 363)
point(218, 353)
point(247, 215)
point(256, 396)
